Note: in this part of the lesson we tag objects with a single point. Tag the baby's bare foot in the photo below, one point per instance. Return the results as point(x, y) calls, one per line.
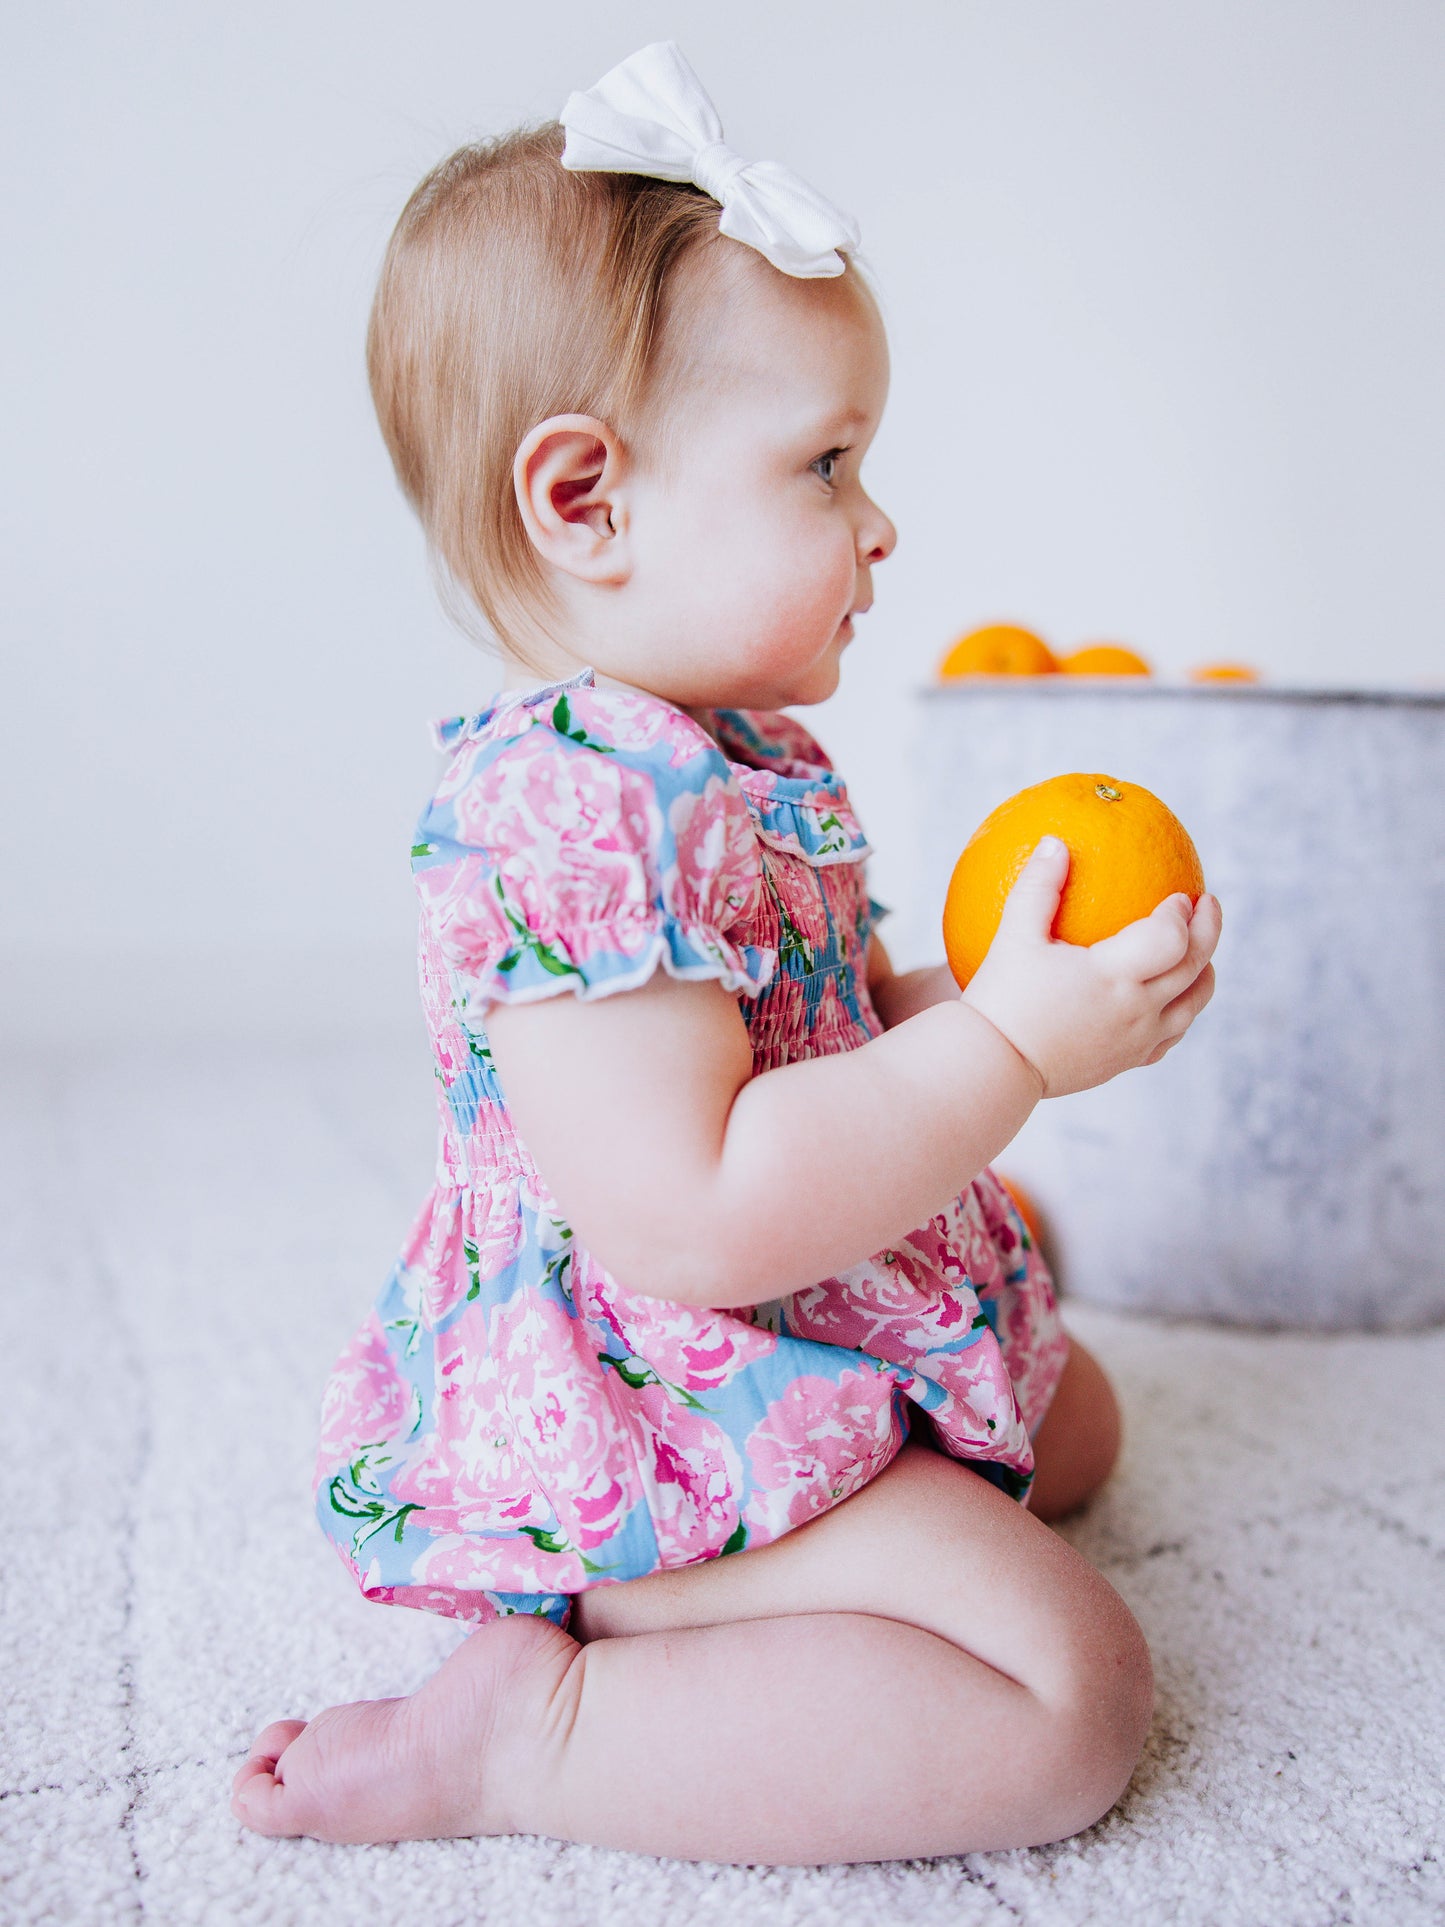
point(446, 1762)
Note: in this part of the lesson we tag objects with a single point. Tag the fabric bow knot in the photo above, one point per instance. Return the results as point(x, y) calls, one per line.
point(651, 115)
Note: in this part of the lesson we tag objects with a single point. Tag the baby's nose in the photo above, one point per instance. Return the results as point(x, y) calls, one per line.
point(878, 538)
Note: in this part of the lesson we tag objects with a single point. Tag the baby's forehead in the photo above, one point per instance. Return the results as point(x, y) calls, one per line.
point(734, 299)
point(737, 326)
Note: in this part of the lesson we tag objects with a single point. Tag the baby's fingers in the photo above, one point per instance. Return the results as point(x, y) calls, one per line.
point(1204, 929)
point(1146, 949)
point(1176, 1017)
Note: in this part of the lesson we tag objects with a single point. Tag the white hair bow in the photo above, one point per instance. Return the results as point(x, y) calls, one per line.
point(651, 115)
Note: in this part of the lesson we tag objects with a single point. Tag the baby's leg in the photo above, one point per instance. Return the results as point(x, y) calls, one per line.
point(925, 1669)
point(1078, 1442)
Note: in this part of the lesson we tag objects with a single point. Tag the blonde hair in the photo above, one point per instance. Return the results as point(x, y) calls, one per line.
point(513, 289)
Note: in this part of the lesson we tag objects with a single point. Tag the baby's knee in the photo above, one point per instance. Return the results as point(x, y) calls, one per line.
point(1103, 1703)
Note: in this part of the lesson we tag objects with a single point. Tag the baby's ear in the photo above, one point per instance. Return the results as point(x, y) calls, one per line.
point(565, 475)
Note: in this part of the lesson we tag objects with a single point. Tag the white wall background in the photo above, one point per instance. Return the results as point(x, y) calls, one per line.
point(1166, 290)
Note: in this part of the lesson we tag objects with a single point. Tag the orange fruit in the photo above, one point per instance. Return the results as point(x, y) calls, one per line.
point(1224, 672)
point(1104, 659)
point(1023, 1203)
point(1127, 852)
point(1000, 649)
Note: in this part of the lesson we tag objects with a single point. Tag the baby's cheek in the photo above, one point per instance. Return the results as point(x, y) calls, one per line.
point(807, 600)
point(777, 649)
point(812, 579)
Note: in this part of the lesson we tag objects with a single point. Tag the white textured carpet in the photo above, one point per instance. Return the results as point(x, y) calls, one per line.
point(187, 1240)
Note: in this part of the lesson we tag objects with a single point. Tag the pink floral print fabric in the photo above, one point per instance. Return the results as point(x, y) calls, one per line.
point(511, 1424)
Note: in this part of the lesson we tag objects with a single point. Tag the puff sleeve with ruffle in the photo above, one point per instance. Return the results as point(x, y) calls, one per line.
point(582, 838)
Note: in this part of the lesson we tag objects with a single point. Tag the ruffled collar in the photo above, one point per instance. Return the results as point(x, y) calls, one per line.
point(798, 798)
point(448, 731)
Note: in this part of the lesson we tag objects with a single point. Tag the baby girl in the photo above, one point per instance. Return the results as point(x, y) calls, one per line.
point(719, 1388)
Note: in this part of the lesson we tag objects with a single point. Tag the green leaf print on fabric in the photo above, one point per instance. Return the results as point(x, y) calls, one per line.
point(549, 960)
point(478, 1046)
point(412, 1329)
point(545, 1540)
point(423, 849)
point(793, 946)
point(356, 1495)
point(636, 1372)
point(738, 1541)
point(397, 1518)
point(528, 942)
point(473, 1257)
point(559, 1267)
point(835, 837)
point(565, 725)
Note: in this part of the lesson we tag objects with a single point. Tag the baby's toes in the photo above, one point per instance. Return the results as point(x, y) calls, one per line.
point(260, 1798)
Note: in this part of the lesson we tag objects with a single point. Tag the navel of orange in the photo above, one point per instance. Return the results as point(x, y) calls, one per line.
point(1127, 852)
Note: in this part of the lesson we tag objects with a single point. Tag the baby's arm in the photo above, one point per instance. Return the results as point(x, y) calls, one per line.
point(693, 1180)
point(896, 995)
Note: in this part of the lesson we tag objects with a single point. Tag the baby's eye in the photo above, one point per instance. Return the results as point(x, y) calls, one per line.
point(832, 459)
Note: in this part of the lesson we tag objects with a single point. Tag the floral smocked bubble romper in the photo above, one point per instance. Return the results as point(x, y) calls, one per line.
point(511, 1424)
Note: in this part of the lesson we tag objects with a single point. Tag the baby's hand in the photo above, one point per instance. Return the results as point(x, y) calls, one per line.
point(1081, 1015)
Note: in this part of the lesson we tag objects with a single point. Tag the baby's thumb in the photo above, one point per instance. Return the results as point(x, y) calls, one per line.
point(1033, 902)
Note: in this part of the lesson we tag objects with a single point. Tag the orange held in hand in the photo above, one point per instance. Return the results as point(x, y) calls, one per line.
point(1002, 649)
point(1104, 659)
point(1127, 852)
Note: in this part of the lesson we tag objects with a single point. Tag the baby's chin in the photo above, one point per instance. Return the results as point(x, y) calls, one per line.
point(819, 681)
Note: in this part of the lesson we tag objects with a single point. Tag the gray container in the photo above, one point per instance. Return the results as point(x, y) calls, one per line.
point(1282, 1166)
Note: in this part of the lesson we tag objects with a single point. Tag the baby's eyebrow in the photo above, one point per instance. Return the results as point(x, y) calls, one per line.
point(837, 418)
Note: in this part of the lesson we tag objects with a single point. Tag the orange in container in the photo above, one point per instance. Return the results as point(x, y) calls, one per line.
point(1104, 659)
point(1224, 672)
point(999, 649)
